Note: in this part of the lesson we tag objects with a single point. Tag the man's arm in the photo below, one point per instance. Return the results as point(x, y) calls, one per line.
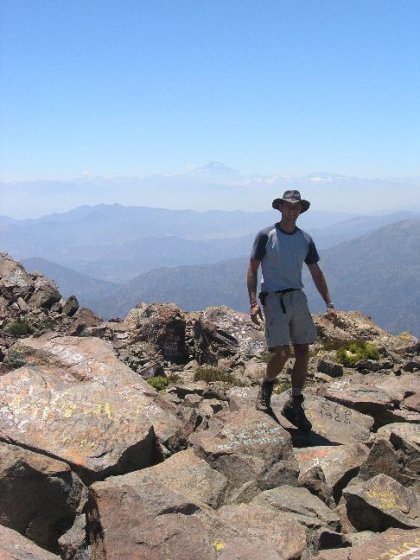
point(321, 285)
point(251, 282)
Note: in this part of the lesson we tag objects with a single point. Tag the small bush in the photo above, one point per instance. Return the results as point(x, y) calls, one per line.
point(211, 374)
point(46, 324)
point(406, 336)
point(159, 382)
point(356, 351)
point(14, 360)
point(19, 328)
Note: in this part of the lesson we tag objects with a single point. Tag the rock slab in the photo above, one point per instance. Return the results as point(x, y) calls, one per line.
point(13, 546)
point(76, 401)
point(27, 480)
point(382, 503)
point(249, 448)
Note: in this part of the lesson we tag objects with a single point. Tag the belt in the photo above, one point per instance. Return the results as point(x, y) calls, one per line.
point(263, 295)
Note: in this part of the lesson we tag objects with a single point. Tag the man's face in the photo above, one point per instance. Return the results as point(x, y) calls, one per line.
point(290, 210)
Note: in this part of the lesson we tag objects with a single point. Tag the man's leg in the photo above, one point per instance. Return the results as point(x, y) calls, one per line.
point(274, 367)
point(293, 409)
point(277, 361)
point(300, 369)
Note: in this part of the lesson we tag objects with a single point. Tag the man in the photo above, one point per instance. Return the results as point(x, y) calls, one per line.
point(281, 250)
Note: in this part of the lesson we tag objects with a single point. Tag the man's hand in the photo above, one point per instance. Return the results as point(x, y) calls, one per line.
point(256, 314)
point(331, 315)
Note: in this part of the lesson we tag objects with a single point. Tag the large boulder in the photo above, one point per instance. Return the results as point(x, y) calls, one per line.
point(381, 503)
point(164, 332)
point(406, 389)
point(331, 422)
point(162, 326)
point(393, 544)
point(405, 439)
point(15, 282)
point(76, 401)
point(274, 530)
point(235, 333)
point(45, 294)
point(386, 399)
point(399, 387)
point(306, 508)
point(147, 515)
point(354, 325)
point(27, 480)
point(137, 517)
point(406, 431)
point(339, 463)
point(249, 448)
point(314, 480)
point(364, 397)
point(385, 459)
point(210, 343)
point(190, 476)
point(13, 546)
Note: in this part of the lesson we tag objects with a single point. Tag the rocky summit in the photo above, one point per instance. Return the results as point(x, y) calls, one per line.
point(138, 438)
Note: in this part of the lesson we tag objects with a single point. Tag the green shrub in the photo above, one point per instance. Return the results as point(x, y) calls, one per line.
point(211, 374)
point(159, 382)
point(14, 360)
point(46, 324)
point(406, 336)
point(18, 328)
point(356, 351)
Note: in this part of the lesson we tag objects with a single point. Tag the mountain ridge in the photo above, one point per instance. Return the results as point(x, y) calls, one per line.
point(379, 296)
point(116, 243)
point(391, 298)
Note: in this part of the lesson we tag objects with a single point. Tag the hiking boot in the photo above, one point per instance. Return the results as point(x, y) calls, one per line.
point(264, 396)
point(293, 411)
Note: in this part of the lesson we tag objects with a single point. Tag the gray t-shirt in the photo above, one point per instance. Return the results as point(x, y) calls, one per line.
point(282, 256)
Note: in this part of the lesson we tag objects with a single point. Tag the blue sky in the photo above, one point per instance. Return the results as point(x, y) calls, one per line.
point(126, 88)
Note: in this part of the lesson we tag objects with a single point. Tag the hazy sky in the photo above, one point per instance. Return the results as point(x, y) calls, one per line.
point(133, 87)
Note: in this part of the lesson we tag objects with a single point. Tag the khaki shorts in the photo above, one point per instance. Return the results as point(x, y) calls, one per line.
point(295, 326)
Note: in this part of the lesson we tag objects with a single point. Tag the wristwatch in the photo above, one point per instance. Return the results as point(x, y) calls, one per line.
point(330, 306)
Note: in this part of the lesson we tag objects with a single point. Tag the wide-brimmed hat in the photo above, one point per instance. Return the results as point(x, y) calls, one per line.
point(291, 196)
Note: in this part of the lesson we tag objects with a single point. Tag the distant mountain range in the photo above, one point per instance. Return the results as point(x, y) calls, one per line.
point(377, 273)
point(330, 235)
point(117, 243)
point(70, 282)
point(190, 287)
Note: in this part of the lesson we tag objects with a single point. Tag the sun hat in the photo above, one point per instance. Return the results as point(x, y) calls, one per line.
point(291, 196)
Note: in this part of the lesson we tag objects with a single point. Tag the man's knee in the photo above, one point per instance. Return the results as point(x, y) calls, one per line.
point(277, 361)
point(301, 352)
point(281, 354)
